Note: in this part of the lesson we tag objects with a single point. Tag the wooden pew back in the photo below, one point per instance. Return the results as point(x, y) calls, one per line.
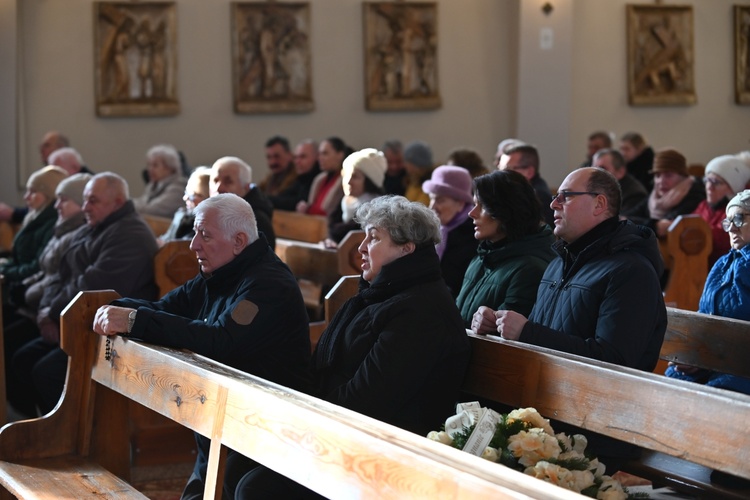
point(685, 252)
point(158, 225)
point(7, 234)
point(334, 451)
point(174, 265)
point(302, 227)
point(711, 342)
point(677, 418)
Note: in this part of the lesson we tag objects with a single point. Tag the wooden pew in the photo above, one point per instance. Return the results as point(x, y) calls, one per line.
point(174, 265)
point(158, 225)
point(76, 451)
point(685, 252)
point(674, 421)
point(302, 227)
point(710, 342)
point(7, 234)
point(683, 426)
point(317, 268)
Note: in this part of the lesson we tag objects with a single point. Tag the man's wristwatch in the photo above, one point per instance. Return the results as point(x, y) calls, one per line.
point(131, 319)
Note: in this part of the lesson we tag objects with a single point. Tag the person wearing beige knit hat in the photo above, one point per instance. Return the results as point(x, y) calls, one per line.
point(675, 193)
point(724, 176)
point(33, 236)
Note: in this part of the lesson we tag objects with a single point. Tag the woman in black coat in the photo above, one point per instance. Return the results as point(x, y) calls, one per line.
point(397, 351)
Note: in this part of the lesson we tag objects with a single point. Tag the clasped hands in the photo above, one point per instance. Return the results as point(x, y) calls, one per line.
point(110, 320)
point(507, 323)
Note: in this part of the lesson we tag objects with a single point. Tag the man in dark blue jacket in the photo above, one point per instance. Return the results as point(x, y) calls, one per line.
point(244, 309)
point(600, 298)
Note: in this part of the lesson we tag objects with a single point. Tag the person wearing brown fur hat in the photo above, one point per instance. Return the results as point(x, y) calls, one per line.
point(675, 193)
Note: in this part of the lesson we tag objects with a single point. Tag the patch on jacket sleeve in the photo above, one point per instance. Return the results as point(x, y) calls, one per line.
point(244, 313)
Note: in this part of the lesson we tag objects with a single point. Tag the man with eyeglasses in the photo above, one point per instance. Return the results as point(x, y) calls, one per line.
point(524, 159)
point(600, 298)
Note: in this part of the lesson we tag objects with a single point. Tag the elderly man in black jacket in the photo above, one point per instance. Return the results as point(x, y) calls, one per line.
point(244, 309)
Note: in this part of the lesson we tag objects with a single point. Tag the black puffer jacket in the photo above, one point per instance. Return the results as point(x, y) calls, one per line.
point(601, 299)
point(248, 314)
point(397, 351)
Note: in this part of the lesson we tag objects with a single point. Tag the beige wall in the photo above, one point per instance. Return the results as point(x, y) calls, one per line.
point(57, 39)
point(713, 126)
point(484, 67)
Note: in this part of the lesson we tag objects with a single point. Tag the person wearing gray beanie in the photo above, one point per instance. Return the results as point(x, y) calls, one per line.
point(71, 188)
point(724, 176)
point(418, 165)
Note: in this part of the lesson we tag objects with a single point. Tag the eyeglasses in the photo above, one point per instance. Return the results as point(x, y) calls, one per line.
point(192, 197)
point(567, 194)
point(713, 182)
point(738, 220)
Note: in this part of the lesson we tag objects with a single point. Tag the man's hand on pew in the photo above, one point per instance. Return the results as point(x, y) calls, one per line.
point(483, 322)
point(509, 324)
point(110, 320)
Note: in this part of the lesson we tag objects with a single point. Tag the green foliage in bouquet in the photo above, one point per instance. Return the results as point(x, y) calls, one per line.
point(523, 440)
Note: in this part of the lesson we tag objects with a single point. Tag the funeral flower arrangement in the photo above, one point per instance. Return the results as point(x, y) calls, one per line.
point(525, 441)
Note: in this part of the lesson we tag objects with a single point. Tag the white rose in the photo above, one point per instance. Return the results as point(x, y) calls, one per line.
point(533, 417)
point(440, 437)
point(491, 454)
point(611, 489)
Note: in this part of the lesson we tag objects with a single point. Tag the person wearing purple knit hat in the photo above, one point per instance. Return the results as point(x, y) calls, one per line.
point(451, 199)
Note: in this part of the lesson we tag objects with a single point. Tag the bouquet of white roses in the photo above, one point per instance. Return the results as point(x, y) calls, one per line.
point(525, 441)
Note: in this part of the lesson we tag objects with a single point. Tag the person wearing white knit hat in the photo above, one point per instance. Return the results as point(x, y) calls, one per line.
point(362, 177)
point(724, 176)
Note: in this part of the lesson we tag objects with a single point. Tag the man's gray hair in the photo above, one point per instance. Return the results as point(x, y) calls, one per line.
point(618, 162)
point(116, 184)
point(235, 215)
point(67, 153)
point(244, 170)
point(167, 154)
point(406, 221)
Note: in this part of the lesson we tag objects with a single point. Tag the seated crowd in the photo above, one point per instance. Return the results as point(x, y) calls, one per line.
point(445, 249)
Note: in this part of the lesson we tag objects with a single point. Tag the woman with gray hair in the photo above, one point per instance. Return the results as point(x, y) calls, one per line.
point(397, 351)
point(163, 193)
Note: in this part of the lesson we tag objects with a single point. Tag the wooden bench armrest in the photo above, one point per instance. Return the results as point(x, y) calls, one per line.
point(68, 429)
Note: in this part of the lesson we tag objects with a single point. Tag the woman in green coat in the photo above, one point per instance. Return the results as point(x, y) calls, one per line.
point(514, 248)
